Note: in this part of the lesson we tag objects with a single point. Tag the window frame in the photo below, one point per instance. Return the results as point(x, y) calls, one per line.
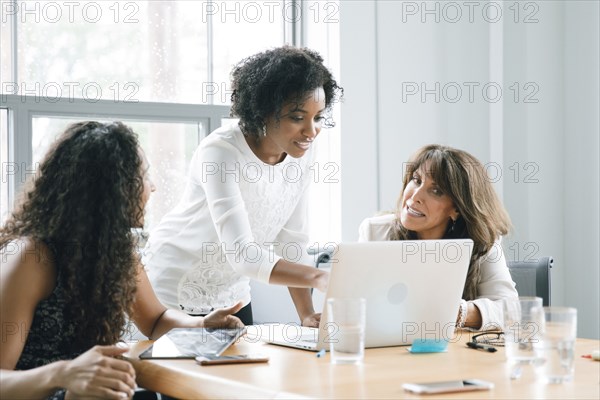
point(22, 109)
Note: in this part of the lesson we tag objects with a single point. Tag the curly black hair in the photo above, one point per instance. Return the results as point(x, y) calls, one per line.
point(263, 83)
point(82, 205)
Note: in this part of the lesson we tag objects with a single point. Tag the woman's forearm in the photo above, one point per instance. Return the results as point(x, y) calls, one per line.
point(174, 319)
point(302, 301)
point(473, 316)
point(299, 276)
point(36, 383)
point(219, 318)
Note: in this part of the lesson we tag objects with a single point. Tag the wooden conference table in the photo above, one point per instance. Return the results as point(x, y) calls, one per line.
point(292, 373)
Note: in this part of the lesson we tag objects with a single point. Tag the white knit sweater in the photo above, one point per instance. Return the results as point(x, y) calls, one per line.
point(237, 217)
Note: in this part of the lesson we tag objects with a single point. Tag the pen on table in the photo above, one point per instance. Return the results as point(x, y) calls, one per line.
point(321, 353)
point(480, 346)
point(594, 356)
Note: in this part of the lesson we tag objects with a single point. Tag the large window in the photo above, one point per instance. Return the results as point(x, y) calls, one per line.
point(168, 146)
point(162, 67)
point(168, 51)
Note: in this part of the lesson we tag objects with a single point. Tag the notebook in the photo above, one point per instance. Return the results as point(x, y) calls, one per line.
point(412, 288)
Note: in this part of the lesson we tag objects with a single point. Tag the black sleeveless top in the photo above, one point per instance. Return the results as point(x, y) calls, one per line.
point(51, 335)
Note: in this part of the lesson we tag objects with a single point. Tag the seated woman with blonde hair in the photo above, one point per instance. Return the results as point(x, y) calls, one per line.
point(447, 195)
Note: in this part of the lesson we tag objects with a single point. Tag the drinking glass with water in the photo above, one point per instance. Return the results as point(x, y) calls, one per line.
point(521, 330)
point(346, 329)
point(556, 348)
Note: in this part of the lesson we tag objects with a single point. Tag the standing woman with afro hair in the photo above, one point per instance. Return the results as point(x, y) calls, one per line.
point(243, 213)
point(70, 273)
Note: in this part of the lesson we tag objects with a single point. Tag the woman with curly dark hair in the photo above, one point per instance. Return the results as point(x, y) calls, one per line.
point(447, 195)
point(70, 273)
point(243, 214)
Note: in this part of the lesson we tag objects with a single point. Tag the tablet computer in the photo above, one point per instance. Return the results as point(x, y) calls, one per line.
point(192, 342)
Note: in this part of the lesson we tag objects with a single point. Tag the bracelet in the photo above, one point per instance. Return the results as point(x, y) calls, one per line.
point(462, 315)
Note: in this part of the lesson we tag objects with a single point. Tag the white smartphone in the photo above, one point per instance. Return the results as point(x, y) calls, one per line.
point(448, 386)
point(237, 359)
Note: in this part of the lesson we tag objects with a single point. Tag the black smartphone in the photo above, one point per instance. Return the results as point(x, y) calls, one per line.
point(448, 387)
point(237, 359)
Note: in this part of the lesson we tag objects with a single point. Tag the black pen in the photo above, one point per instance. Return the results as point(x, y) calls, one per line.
point(480, 346)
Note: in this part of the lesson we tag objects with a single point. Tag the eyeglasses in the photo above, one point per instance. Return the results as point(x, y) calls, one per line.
point(489, 338)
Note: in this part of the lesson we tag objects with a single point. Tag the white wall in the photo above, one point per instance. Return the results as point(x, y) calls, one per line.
point(360, 115)
point(582, 166)
point(552, 193)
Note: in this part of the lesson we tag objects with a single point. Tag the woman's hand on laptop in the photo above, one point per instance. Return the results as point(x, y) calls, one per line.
point(312, 320)
point(224, 318)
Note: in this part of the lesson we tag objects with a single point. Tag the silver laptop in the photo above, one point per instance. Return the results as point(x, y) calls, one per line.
point(412, 288)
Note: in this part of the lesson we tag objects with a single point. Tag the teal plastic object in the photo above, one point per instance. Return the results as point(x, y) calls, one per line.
point(429, 346)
